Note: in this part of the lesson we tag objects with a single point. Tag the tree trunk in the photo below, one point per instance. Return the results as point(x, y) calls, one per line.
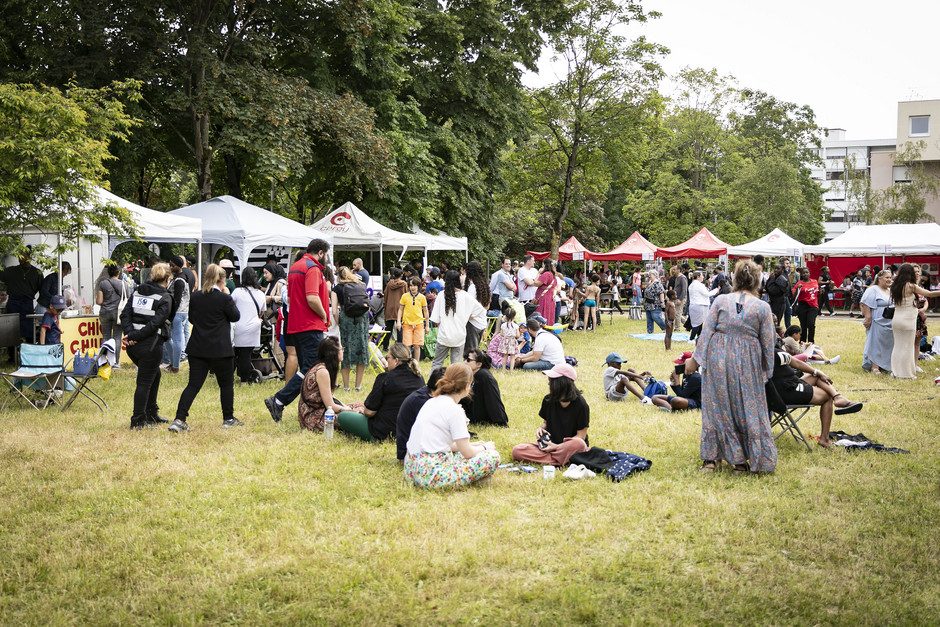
point(201, 146)
point(233, 176)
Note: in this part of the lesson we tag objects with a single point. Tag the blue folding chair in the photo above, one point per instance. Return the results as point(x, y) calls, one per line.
point(39, 379)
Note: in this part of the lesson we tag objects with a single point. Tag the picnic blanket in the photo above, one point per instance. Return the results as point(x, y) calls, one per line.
point(659, 337)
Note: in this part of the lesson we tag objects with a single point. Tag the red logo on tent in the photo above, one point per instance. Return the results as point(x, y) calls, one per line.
point(340, 218)
point(773, 238)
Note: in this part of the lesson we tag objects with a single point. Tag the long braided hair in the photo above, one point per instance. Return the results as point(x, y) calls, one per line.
point(475, 275)
point(451, 285)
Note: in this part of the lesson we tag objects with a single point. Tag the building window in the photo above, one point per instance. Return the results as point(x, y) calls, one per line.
point(920, 125)
point(835, 153)
point(834, 175)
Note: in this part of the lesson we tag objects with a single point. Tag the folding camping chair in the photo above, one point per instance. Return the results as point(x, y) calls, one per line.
point(39, 379)
point(83, 371)
point(787, 417)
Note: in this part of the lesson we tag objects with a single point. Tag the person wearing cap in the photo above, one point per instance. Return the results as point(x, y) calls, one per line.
point(546, 349)
point(49, 331)
point(22, 281)
point(565, 417)
point(617, 382)
point(688, 393)
point(229, 271)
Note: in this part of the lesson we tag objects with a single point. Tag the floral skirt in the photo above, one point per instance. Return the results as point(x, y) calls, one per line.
point(438, 470)
point(354, 333)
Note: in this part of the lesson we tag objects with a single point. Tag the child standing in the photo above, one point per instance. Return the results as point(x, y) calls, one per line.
point(670, 317)
point(413, 319)
point(49, 332)
point(509, 338)
point(591, 293)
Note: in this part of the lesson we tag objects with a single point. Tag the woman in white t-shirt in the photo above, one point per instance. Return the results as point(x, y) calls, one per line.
point(250, 301)
point(439, 449)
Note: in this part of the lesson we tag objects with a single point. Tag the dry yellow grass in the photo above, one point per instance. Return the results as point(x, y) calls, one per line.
point(266, 524)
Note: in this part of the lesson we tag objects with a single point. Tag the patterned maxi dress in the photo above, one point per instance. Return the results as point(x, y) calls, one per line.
point(736, 352)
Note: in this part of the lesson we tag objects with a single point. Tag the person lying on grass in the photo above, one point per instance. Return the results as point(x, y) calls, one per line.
point(440, 452)
point(804, 351)
point(688, 393)
point(618, 382)
point(813, 388)
point(565, 417)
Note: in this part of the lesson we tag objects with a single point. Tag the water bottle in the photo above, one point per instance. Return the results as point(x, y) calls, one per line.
point(328, 419)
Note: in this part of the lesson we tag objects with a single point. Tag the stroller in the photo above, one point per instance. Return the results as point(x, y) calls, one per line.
point(265, 362)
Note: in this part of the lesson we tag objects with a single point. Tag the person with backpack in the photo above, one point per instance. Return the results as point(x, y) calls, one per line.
point(353, 324)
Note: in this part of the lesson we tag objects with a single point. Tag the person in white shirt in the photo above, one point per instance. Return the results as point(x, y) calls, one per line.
point(547, 351)
point(527, 276)
point(452, 315)
point(699, 302)
point(440, 453)
point(502, 286)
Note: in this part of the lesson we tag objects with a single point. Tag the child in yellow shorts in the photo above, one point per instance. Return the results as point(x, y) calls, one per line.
point(413, 319)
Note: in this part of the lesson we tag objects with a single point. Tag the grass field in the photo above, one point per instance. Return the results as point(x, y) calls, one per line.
point(265, 524)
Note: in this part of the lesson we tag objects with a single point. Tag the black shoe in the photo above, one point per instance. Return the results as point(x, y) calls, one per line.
point(156, 419)
point(276, 410)
point(140, 423)
point(232, 422)
point(179, 426)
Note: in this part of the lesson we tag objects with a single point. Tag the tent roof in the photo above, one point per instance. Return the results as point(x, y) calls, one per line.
point(350, 228)
point(154, 226)
point(702, 244)
point(776, 244)
point(243, 227)
point(630, 250)
point(566, 251)
point(439, 241)
point(871, 240)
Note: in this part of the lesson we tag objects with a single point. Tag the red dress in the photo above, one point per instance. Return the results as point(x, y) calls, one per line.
point(545, 297)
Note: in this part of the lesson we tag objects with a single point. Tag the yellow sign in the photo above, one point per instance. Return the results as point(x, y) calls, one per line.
point(83, 333)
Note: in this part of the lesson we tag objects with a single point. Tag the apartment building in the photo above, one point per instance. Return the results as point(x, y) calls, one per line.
point(917, 121)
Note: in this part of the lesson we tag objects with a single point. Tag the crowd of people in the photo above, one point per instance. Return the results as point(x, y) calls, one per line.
point(741, 323)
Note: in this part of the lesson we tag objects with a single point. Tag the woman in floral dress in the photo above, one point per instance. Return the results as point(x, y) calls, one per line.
point(736, 352)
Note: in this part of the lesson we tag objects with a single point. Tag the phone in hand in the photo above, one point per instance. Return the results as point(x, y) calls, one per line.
point(544, 441)
point(680, 369)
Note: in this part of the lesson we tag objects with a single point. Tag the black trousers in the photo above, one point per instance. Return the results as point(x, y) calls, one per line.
point(777, 307)
point(146, 355)
point(807, 316)
point(199, 367)
point(393, 334)
point(824, 301)
point(243, 361)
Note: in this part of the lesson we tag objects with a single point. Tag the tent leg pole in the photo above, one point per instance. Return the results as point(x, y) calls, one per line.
point(381, 262)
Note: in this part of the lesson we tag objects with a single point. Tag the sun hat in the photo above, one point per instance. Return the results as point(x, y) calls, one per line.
point(227, 263)
point(561, 370)
point(615, 357)
point(682, 358)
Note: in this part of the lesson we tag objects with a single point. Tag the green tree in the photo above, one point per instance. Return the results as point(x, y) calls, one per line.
point(53, 150)
point(590, 125)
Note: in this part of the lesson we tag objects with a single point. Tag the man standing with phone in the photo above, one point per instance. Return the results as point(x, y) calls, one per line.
point(309, 319)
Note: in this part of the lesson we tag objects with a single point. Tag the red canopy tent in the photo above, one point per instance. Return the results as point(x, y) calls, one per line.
point(702, 244)
point(567, 251)
point(630, 250)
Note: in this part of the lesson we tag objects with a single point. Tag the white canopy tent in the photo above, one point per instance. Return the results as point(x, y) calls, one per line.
point(352, 229)
point(883, 239)
point(86, 260)
point(228, 221)
point(774, 244)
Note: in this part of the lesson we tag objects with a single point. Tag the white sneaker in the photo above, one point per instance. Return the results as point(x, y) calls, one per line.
point(577, 471)
point(918, 369)
point(835, 359)
point(646, 400)
point(832, 314)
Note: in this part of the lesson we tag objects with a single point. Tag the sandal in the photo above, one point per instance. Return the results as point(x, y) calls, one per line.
point(708, 466)
point(851, 408)
point(740, 469)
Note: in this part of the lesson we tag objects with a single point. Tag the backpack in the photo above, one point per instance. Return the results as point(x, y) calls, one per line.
point(355, 299)
point(654, 387)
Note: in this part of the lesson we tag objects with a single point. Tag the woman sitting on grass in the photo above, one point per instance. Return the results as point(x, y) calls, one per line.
point(485, 405)
point(376, 420)
point(814, 388)
point(565, 417)
point(316, 394)
point(439, 449)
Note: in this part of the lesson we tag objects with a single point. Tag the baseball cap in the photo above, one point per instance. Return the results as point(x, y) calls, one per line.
point(57, 302)
point(614, 357)
point(561, 370)
point(682, 358)
point(177, 261)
